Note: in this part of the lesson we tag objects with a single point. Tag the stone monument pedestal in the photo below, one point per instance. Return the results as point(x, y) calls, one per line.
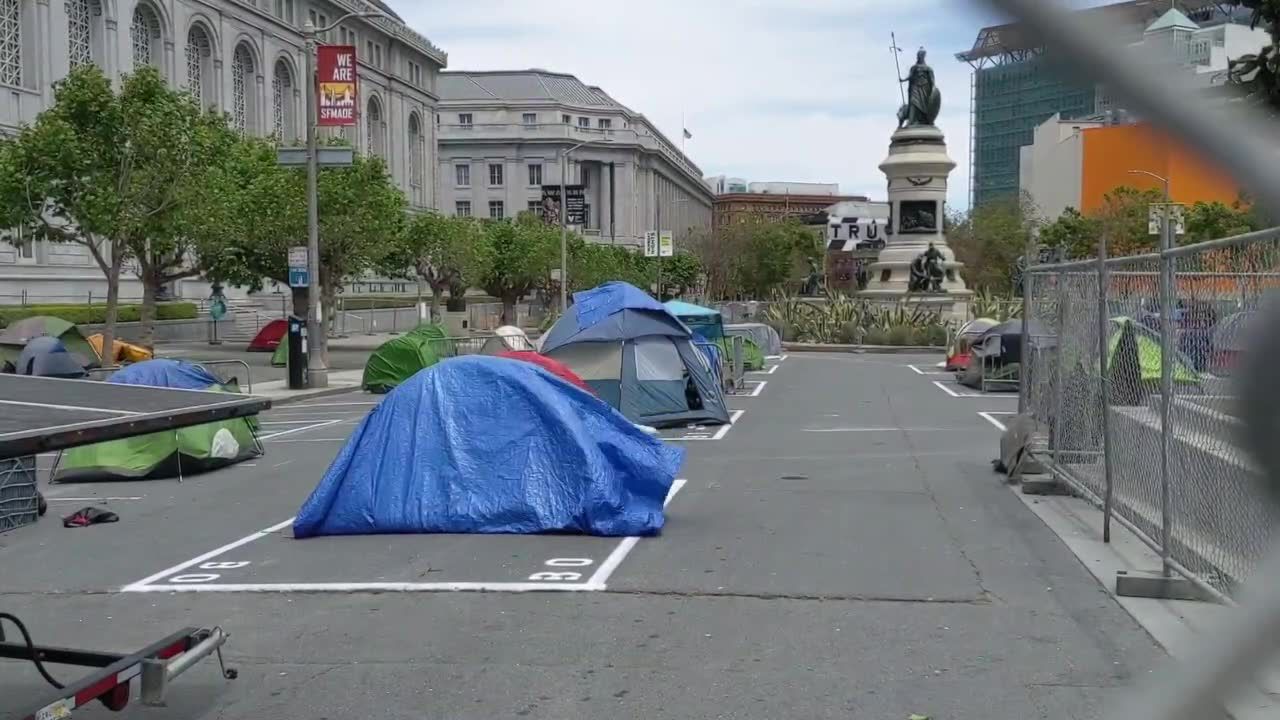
point(917, 169)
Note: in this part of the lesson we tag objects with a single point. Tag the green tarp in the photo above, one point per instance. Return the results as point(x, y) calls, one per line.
point(169, 453)
point(399, 359)
point(280, 358)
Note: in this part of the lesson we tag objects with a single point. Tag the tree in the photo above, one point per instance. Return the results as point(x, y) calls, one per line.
point(1124, 216)
point(990, 239)
point(1213, 220)
point(715, 250)
point(768, 256)
point(109, 172)
point(444, 252)
point(680, 273)
point(523, 253)
point(1073, 231)
point(362, 215)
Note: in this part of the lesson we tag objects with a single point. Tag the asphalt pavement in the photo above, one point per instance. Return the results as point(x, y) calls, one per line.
point(844, 550)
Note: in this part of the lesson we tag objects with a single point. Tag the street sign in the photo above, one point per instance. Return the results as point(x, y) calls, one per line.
point(1178, 218)
point(667, 244)
point(651, 243)
point(336, 71)
point(575, 206)
point(298, 275)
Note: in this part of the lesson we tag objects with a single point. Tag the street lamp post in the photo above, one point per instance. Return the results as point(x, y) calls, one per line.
point(1166, 368)
point(317, 367)
point(564, 224)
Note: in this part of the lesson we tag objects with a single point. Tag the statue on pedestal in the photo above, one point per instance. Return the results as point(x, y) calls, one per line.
point(924, 100)
point(927, 273)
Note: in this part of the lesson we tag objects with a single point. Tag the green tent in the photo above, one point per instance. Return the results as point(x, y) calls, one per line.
point(1134, 362)
point(164, 454)
point(400, 358)
point(280, 358)
point(15, 337)
point(752, 357)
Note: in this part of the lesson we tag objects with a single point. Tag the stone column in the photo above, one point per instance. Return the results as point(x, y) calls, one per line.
point(917, 169)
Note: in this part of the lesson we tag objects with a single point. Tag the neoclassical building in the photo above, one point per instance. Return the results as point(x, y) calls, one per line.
point(244, 57)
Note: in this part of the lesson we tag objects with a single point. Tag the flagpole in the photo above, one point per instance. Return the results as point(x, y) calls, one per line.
point(684, 132)
point(895, 50)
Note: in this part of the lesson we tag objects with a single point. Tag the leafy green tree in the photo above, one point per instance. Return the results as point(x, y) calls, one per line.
point(1073, 231)
point(681, 273)
point(523, 253)
point(990, 239)
point(1124, 216)
point(769, 254)
point(112, 172)
point(362, 217)
point(1213, 220)
point(445, 253)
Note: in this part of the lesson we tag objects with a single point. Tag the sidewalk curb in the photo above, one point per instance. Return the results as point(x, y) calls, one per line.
point(862, 349)
point(278, 401)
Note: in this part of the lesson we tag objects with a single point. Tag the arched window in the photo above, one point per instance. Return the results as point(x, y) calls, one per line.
point(282, 108)
point(200, 65)
point(415, 153)
point(10, 42)
point(144, 32)
point(241, 89)
point(375, 128)
point(83, 33)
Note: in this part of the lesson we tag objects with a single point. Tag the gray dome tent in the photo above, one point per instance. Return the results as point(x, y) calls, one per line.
point(47, 357)
point(637, 357)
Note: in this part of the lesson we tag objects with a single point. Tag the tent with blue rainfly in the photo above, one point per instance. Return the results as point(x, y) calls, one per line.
point(637, 357)
point(484, 444)
point(168, 453)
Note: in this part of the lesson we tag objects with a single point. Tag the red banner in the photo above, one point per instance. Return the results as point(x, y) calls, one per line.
point(336, 75)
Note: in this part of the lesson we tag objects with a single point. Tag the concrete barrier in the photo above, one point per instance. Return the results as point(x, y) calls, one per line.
point(166, 330)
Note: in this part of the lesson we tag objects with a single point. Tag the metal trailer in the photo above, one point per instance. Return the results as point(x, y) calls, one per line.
point(44, 414)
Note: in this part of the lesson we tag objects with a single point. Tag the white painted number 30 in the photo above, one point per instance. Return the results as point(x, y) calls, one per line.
point(562, 576)
point(196, 578)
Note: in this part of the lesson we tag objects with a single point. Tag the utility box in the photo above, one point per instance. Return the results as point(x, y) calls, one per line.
point(298, 377)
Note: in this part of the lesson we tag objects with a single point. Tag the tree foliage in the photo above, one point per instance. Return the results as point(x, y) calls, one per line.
point(523, 252)
point(444, 252)
point(116, 173)
point(990, 238)
point(1076, 233)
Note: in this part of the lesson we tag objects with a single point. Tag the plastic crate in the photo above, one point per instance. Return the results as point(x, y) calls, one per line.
point(19, 501)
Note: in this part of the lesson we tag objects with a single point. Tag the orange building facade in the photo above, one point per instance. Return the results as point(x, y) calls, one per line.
point(1110, 152)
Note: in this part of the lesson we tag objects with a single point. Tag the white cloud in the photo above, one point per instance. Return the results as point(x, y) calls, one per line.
point(771, 89)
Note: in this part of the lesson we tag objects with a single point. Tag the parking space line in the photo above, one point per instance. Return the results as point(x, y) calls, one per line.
point(600, 577)
point(325, 423)
point(993, 396)
point(755, 392)
point(933, 373)
point(989, 416)
point(595, 584)
point(123, 498)
point(141, 585)
point(772, 369)
point(329, 405)
point(732, 420)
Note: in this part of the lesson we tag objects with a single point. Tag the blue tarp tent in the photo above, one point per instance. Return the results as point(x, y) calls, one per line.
point(163, 373)
point(482, 444)
point(703, 321)
point(637, 357)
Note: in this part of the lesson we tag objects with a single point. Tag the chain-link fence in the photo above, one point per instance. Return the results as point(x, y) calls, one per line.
point(1127, 375)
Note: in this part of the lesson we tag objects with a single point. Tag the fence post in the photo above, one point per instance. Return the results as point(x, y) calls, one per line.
point(1024, 373)
point(1166, 386)
point(1104, 328)
point(1059, 324)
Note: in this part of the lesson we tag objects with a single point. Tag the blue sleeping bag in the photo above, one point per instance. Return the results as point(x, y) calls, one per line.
point(490, 445)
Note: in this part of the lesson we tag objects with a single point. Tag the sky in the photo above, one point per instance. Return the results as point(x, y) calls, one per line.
point(772, 90)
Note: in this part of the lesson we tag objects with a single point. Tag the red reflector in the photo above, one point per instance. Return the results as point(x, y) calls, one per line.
point(175, 649)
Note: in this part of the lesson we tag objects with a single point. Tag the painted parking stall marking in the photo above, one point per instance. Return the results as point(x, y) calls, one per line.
point(270, 560)
point(697, 433)
point(964, 394)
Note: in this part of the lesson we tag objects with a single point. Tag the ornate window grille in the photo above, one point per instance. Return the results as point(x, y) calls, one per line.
point(10, 42)
point(241, 66)
point(144, 30)
point(79, 32)
point(199, 52)
point(373, 129)
point(282, 101)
